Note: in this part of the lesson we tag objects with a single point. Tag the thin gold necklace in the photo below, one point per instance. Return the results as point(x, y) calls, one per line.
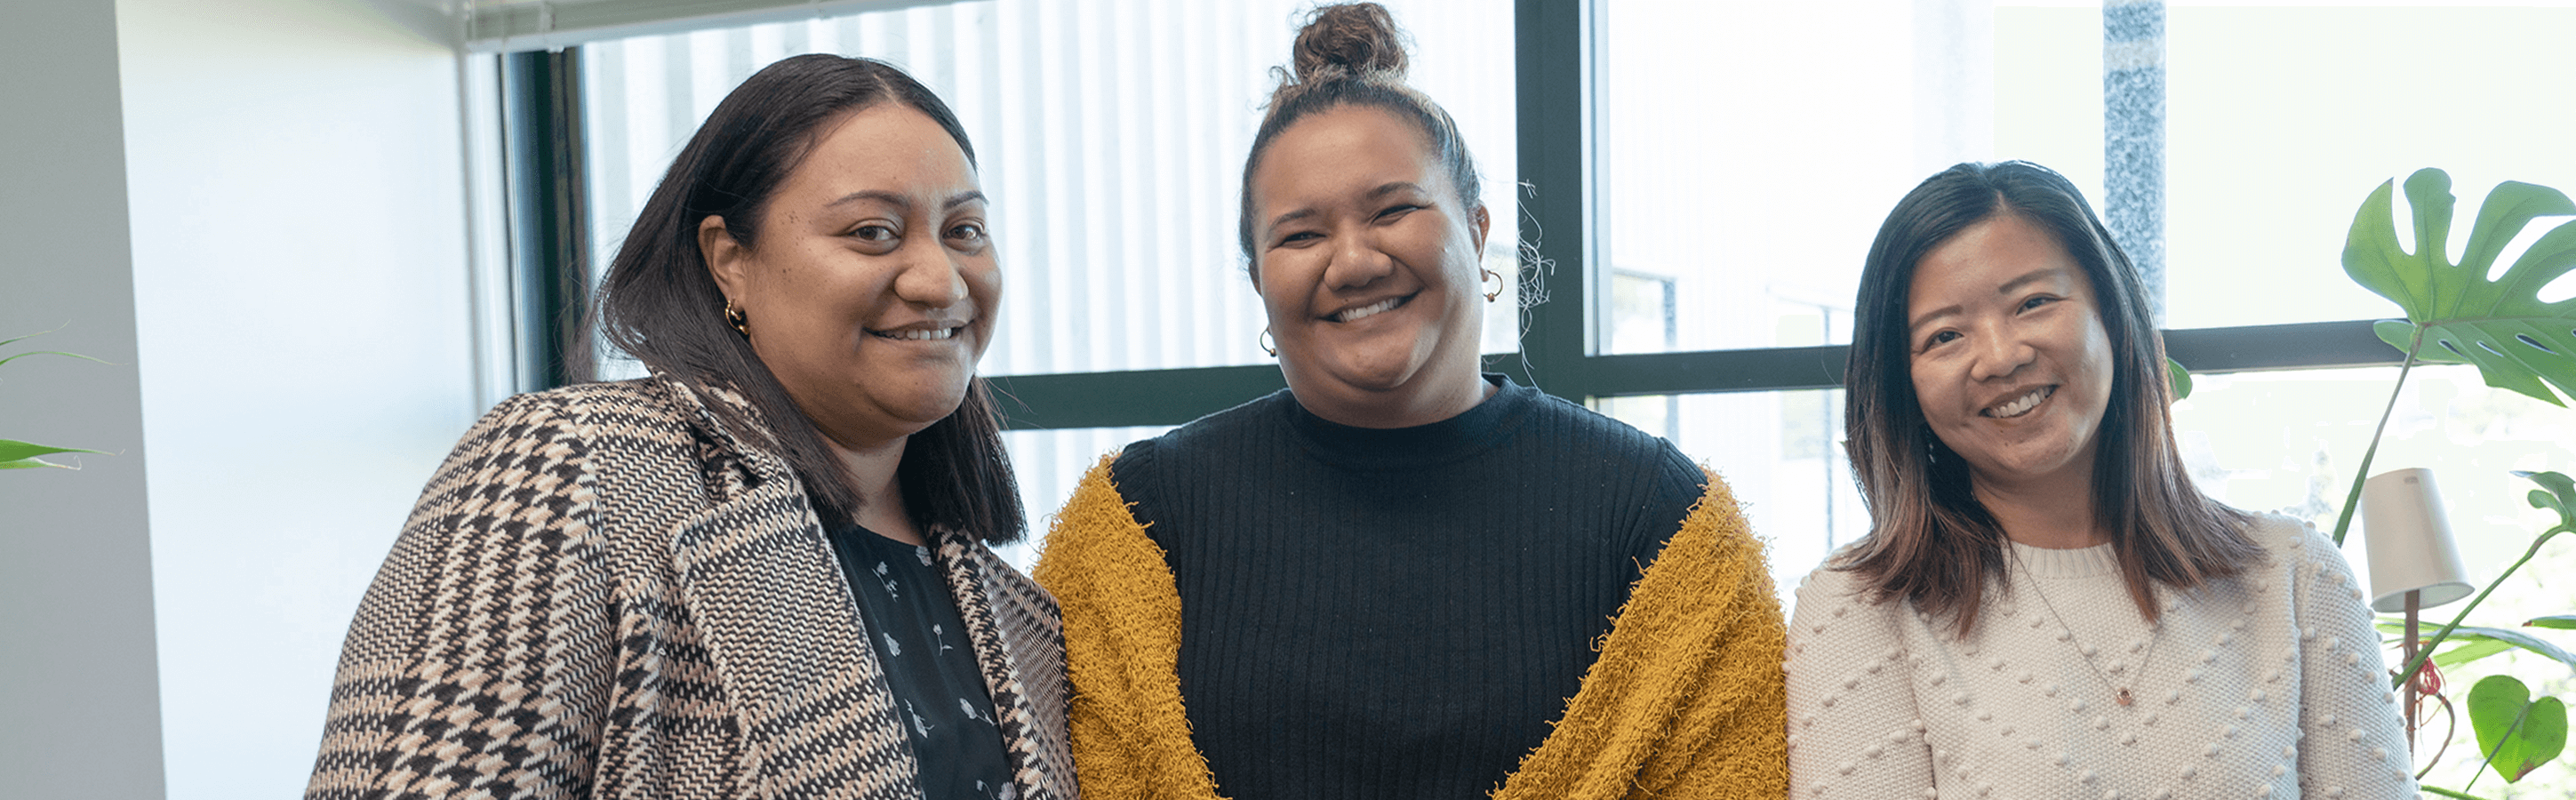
point(2119, 693)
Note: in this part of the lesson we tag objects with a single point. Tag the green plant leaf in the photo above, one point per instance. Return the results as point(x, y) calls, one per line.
point(2472, 643)
point(2517, 639)
point(2400, 334)
point(2470, 651)
point(2516, 733)
point(2517, 342)
point(2557, 621)
point(2560, 496)
point(2180, 378)
point(12, 450)
point(47, 353)
point(16, 339)
point(23, 455)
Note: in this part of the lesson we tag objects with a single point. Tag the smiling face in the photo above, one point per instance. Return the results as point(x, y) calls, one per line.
point(870, 287)
point(1366, 261)
point(2010, 361)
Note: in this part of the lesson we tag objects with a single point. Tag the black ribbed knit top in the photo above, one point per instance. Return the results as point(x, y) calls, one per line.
point(1373, 613)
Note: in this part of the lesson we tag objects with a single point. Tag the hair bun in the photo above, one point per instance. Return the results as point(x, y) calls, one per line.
point(1354, 38)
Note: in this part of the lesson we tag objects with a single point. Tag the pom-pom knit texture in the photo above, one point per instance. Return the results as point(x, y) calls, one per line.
point(2266, 684)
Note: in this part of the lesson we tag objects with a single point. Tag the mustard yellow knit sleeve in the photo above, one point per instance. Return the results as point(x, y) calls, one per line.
point(1122, 640)
point(1686, 700)
point(1731, 740)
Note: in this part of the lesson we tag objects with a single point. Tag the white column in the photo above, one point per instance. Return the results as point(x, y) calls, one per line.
point(80, 704)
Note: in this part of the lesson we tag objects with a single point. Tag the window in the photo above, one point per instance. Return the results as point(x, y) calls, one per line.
point(1702, 181)
point(1111, 136)
point(1758, 195)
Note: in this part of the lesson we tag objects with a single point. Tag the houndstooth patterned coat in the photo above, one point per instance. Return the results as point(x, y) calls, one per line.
point(603, 593)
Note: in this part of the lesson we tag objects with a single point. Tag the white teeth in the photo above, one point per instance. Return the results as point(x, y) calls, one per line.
point(1370, 310)
point(2022, 406)
point(919, 334)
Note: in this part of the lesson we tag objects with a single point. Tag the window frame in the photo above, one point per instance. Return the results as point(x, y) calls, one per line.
point(1563, 295)
point(544, 189)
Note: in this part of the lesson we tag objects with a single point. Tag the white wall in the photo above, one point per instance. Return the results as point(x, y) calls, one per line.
point(79, 714)
point(299, 252)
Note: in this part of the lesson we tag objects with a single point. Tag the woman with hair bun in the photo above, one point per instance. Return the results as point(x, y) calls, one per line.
point(1400, 577)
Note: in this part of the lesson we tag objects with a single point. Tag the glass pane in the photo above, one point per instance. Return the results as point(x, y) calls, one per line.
point(2284, 442)
point(1049, 464)
point(2283, 119)
point(1782, 454)
point(2280, 120)
point(1111, 135)
point(2289, 442)
point(1752, 149)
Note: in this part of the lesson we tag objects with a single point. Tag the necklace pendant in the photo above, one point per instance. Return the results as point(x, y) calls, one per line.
point(2123, 697)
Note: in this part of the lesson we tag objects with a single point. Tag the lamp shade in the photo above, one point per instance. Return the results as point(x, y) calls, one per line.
point(2410, 542)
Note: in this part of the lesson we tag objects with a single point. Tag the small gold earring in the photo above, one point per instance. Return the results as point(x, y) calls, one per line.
point(733, 314)
point(1497, 277)
point(1268, 343)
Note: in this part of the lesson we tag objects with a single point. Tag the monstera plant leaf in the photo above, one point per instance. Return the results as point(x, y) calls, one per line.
point(2517, 341)
point(2557, 493)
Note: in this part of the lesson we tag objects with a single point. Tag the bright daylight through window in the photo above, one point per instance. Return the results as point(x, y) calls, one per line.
point(1740, 158)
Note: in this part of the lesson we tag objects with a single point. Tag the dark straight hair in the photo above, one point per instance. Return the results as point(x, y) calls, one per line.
point(1931, 541)
point(1353, 54)
point(660, 304)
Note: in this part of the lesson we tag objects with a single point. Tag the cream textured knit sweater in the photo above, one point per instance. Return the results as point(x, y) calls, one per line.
point(2268, 684)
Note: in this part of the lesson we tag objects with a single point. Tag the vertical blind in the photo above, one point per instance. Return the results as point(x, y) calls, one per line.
point(1110, 135)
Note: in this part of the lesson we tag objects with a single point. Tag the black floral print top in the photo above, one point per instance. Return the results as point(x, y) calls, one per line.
point(920, 640)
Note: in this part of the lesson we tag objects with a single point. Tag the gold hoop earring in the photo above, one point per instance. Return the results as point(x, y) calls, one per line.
point(1487, 272)
point(733, 315)
point(1269, 344)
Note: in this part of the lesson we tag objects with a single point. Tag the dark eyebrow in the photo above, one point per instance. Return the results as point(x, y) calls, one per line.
point(1917, 322)
point(2027, 277)
point(2008, 288)
point(1286, 218)
point(879, 195)
point(897, 199)
point(1392, 188)
point(1381, 191)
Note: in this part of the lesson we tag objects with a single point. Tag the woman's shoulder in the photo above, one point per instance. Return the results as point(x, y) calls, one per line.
point(2288, 540)
point(1833, 577)
point(1844, 605)
point(590, 424)
point(1559, 425)
point(2299, 553)
point(1216, 438)
point(1573, 420)
point(640, 399)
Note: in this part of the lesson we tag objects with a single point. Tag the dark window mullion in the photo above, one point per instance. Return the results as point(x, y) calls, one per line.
point(1175, 396)
point(1555, 73)
point(2305, 345)
point(544, 165)
point(1129, 398)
